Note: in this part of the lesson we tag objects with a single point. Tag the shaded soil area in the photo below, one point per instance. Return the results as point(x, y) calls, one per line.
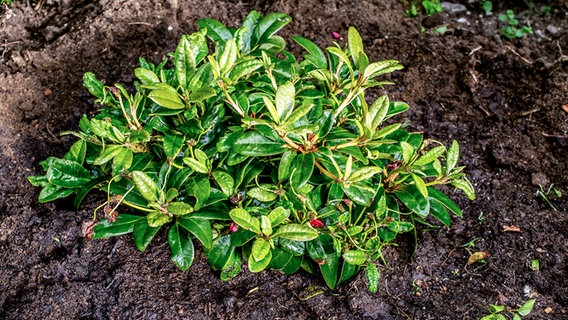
point(502, 100)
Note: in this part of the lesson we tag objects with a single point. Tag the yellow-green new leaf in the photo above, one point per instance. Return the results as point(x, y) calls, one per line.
point(167, 97)
point(258, 266)
point(296, 232)
point(285, 96)
point(452, 156)
point(179, 208)
point(260, 249)
point(365, 173)
point(430, 156)
point(265, 226)
point(278, 215)
point(464, 185)
point(354, 257)
point(245, 220)
point(420, 185)
point(196, 165)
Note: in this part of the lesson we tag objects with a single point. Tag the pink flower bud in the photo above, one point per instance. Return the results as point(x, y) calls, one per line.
point(233, 227)
point(336, 35)
point(317, 223)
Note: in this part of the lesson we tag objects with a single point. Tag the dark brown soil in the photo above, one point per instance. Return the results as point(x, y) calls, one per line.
point(501, 99)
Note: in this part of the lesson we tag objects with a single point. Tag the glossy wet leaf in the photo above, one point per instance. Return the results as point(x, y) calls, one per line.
point(414, 200)
point(278, 215)
point(284, 261)
point(430, 156)
point(465, 186)
point(199, 188)
point(77, 152)
point(199, 228)
point(215, 29)
point(166, 97)
point(253, 143)
point(145, 185)
point(526, 308)
point(181, 247)
point(196, 165)
point(303, 167)
point(355, 47)
point(285, 100)
point(67, 173)
point(222, 253)
point(225, 182)
point(296, 232)
point(445, 200)
point(178, 208)
point(52, 192)
point(259, 265)
point(124, 224)
point(245, 220)
point(260, 249)
point(354, 257)
point(143, 234)
point(262, 194)
point(315, 56)
point(438, 211)
point(93, 85)
point(172, 145)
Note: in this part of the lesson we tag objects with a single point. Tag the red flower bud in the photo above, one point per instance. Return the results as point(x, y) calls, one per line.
point(233, 227)
point(317, 223)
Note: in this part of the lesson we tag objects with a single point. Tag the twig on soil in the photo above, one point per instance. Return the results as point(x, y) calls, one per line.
point(530, 112)
point(447, 257)
point(51, 133)
point(141, 22)
point(10, 43)
point(554, 136)
point(518, 55)
point(475, 50)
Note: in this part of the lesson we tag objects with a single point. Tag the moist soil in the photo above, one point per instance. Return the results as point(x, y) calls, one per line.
point(504, 101)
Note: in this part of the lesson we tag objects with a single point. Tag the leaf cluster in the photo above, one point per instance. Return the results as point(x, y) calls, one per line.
point(511, 30)
point(232, 141)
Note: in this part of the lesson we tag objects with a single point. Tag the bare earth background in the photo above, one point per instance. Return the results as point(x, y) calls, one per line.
point(502, 100)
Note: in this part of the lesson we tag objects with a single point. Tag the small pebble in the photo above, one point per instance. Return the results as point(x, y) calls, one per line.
point(539, 179)
point(453, 7)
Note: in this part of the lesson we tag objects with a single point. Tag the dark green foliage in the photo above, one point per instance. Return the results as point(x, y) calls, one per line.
point(282, 163)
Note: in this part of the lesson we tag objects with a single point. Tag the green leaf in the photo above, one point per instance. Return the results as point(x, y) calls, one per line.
point(67, 173)
point(245, 220)
point(386, 131)
point(376, 69)
point(464, 185)
point(52, 192)
point(222, 253)
point(299, 112)
point(179, 208)
point(122, 161)
point(143, 234)
point(316, 56)
point(285, 166)
point(303, 165)
point(400, 226)
point(278, 215)
point(228, 57)
point(355, 46)
point(262, 194)
point(329, 268)
point(172, 145)
point(526, 308)
point(200, 228)
point(452, 156)
point(365, 173)
point(259, 265)
point(107, 154)
point(354, 257)
point(269, 25)
point(200, 188)
point(271, 109)
point(38, 181)
point(181, 247)
point(254, 144)
point(201, 94)
point(260, 249)
point(284, 261)
point(447, 202)
point(414, 200)
point(377, 112)
point(296, 232)
point(285, 95)
point(216, 31)
point(347, 272)
point(157, 219)
point(359, 193)
point(124, 224)
point(373, 275)
point(430, 156)
point(93, 85)
point(77, 152)
point(225, 182)
point(244, 68)
point(145, 185)
point(420, 185)
point(196, 165)
point(265, 226)
point(167, 97)
point(184, 62)
point(438, 211)
point(407, 151)
point(146, 76)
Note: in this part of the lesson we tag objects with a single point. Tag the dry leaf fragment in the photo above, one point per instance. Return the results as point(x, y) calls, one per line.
point(565, 107)
point(511, 229)
point(87, 228)
point(548, 310)
point(477, 256)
